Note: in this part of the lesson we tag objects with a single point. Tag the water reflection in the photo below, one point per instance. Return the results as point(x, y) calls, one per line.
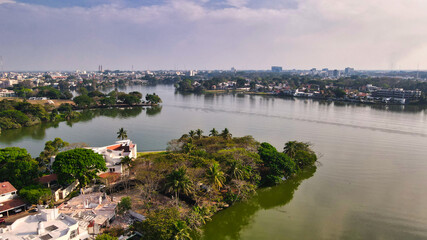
point(229, 223)
point(153, 111)
point(39, 131)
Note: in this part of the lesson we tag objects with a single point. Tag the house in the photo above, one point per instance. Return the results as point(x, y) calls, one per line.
point(58, 191)
point(9, 201)
point(92, 211)
point(48, 224)
point(113, 154)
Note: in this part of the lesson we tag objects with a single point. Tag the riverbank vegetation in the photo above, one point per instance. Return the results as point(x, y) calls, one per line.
point(178, 190)
point(352, 88)
point(16, 114)
point(201, 175)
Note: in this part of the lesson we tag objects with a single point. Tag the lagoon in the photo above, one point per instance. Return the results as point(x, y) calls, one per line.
point(369, 183)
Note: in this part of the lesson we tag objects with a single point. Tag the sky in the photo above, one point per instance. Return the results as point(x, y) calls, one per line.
point(212, 34)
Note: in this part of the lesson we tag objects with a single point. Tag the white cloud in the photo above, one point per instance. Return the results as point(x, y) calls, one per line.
point(182, 33)
point(6, 1)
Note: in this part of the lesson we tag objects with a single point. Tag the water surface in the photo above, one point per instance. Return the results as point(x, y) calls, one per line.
point(369, 184)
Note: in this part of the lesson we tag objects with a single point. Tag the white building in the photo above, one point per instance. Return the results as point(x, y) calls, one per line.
point(48, 224)
point(92, 211)
point(9, 200)
point(7, 93)
point(113, 154)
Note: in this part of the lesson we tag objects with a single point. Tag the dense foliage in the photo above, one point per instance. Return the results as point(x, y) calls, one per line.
point(124, 205)
point(205, 173)
point(36, 194)
point(97, 98)
point(80, 164)
point(105, 236)
point(14, 114)
point(17, 167)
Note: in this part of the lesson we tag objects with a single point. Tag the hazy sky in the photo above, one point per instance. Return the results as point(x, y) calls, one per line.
point(212, 34)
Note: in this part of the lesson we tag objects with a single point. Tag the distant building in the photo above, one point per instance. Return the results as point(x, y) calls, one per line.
point(48, 224)
point(276, 69)
point(336, 73)
point(397, 94)
point(9, 201)
point(7, 93)
point(349, 71)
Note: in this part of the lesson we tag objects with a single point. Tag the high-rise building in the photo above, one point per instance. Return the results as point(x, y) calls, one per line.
point(349, 71)
point(276, 69)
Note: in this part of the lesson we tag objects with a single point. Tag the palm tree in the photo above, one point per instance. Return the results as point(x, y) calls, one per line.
point(235, 171)
point(178, 182)
point(122, 134)
point(189, 147)
point(68, 115)
point(199, 133)
point(126, 161)
point(226, 134)
point(213, 132)
point(192, 133)
point(182, 231)
point(292, 147)
point(215, 176)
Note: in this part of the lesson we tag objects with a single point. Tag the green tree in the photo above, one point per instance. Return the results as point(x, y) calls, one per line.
point(213, 132)
point(36, 194)
point(182, 231)
point(161, 224)
point(240, 82)
point(304, 158)
point(199, 133)
point(83, 101)
point(215, 176)
point(124, 205)
point(226, 134)
point(137, 94)
point(65, 107)
point(82, 91)
point(122, 134)
point(235, 170)
point(105, 236)
point(107, 101)
point(51, 148)
point(292, 147)
point(192, 133)
point(80, 164)
point(278, 165)
point(127, 161)
point(153, 98)
point(17, 167)
point(178, 182)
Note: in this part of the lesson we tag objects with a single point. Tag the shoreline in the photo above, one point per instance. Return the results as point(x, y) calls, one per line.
point(354, 101)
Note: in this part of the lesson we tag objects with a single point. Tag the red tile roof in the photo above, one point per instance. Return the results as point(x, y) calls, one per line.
point(48, 178)
point(111, 176)
point(11, 204)
point(6, 187)
point(114, 147)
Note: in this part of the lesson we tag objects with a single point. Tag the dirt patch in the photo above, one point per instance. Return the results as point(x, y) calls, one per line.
point(56, 102)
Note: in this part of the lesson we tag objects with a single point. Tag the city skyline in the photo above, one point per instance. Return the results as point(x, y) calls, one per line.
point(206, 34)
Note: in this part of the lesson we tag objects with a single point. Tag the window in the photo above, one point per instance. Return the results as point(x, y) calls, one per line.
point(73, 234)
